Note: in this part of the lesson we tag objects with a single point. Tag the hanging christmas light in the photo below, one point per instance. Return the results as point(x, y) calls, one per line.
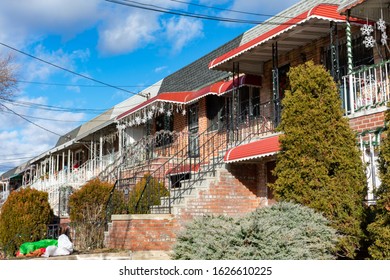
point(366, 31)
point(381, 25)
point(137, 120)
point(150, 115)
point(369, 41)
point(161, 109)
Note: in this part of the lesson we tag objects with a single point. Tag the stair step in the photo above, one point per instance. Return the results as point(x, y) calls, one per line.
point(156, 209)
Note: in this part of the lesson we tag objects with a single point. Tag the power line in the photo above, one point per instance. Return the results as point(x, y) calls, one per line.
point(52, 108)
point(3, 161)
point(228, 10)
point(155, 8)
point(62, 109)
point(33, 123)
point(70, 71)
point(78, 85)
point(47, 119)
point(160, 9)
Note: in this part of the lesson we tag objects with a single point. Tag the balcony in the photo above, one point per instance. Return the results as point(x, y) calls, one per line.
point(366, 88)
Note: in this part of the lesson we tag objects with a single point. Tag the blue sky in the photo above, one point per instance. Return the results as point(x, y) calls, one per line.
point(119, 45)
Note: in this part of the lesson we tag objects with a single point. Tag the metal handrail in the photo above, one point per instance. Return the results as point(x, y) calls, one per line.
point(210, 144)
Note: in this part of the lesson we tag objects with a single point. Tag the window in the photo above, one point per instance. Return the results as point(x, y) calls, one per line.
point(215, 112)
point(255, 102)
point(360, 55)
point(249, 100)
point(164, 123)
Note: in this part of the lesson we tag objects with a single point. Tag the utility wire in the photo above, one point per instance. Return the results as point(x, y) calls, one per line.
point(62, 109)
point(160, 9)
point(72, 72)
point(228, 10)
point(52, 108)
point(48, 119)
point(33, 123)
point(77, 85)
point(155, 8)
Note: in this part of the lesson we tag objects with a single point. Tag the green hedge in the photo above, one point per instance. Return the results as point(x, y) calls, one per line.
point(24, 218)
point(285, 231)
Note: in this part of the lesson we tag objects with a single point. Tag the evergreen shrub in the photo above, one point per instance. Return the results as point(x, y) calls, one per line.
point(379, 229)
point(319, 164)
point(24, 218)
point(146, 193)
point(284, 231)
point(88, 209)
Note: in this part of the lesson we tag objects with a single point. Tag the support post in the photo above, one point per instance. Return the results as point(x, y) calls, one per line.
point(101, 153)
point(275, 83)
point(350, 63)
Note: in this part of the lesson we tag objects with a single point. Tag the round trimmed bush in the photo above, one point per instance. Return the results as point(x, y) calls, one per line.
point(88, 209)
point(284, 231)
point(24, 218)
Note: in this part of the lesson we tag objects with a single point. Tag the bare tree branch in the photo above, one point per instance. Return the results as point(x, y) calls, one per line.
point(8, 80)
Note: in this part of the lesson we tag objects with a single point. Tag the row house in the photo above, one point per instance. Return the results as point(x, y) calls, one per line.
point(215, 146)
point(207, 131)
point(230, 123)
point(89, 151)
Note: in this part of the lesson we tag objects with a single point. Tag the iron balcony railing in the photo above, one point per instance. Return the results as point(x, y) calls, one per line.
point(366, 88)
point(199, 157)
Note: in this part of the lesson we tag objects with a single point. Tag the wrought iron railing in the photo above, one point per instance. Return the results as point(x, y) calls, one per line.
point(199, 156)
point(366, 88)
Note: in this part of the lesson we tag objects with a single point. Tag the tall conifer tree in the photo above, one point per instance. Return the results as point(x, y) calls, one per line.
point(319, 164)
point(379, 230)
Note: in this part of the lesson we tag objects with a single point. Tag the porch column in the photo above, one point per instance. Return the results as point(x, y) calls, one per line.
point(350, 63)
point(50, 166)
point(101, 153)
point(58, 163)
point(275, 83)
point(120, 139)
point(91, 156)
point(69, 165)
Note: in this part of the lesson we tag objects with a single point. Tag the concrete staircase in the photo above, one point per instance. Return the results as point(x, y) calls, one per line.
point(188, 190)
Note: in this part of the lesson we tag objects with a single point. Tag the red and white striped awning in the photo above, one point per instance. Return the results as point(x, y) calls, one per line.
point(186, 97)
point(296, 32)
point(258, 149)
point(183, 169)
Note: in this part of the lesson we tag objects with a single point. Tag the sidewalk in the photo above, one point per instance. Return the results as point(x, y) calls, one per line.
point(125, 255)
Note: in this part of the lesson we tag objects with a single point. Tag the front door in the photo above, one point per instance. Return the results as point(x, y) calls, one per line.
point(270, 179)
point(193, 129)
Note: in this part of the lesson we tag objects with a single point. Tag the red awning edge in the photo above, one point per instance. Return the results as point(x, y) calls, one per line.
point(322, 11)
point(258, 149)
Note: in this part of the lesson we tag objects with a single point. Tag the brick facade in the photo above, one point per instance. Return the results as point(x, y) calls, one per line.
point(368, 121)
point(142, 232)
point(241, 187)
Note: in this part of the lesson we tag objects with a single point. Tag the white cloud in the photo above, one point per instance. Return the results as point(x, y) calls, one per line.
point(21, 140)
point(125, 32)
point(160, 69)
point(64, 17)
point(38, 70)
point(260, 7)
point(180, 31)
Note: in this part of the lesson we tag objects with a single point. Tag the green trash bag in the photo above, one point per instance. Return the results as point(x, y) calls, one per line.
point(29, 247)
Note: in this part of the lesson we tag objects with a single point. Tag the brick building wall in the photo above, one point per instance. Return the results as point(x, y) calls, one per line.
point(233, 193)
point(142, 232)
point(369, 121)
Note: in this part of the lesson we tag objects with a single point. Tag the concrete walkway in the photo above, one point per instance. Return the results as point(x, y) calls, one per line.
point(125, 255)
